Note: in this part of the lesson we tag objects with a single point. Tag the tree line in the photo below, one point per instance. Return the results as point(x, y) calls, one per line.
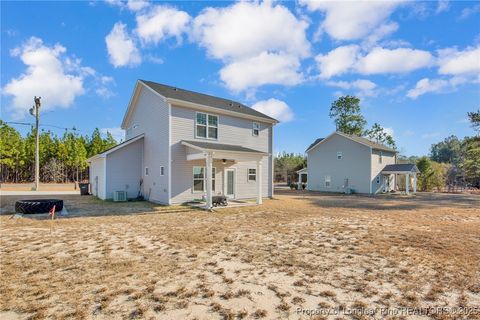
point(62, 158)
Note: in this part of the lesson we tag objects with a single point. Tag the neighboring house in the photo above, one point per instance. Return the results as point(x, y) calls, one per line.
point(182, 146)
point(344, 163)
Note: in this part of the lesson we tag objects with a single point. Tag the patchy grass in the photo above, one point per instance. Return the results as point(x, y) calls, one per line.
point(307, 250)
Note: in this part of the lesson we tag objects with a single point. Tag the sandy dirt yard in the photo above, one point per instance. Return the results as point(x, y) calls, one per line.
point(298, 256)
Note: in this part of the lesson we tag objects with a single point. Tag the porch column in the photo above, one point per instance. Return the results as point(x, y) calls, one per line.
point(407, 181)
point(415, 182)
point(259, 182)
point(208, 173)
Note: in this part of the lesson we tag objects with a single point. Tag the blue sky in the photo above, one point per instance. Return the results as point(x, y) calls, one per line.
point(415, 65)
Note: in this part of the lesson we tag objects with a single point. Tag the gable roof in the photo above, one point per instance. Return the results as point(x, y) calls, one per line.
point(361, 140)
point(314, 143)
point(170, 92)
point(212, 146)
point(115, 148)
point(401, 167)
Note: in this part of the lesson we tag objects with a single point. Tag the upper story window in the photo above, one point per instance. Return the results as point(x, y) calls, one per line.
point(206, 126)
point(162, 170)
point(339, 155)
point(255, 129)
point(380, 156)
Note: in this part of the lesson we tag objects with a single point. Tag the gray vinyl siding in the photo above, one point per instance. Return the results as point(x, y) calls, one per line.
point(97, 177)
point(151, 117)
point(377, 167)
point(354, 165)
point(124, 170)
point(231, 130)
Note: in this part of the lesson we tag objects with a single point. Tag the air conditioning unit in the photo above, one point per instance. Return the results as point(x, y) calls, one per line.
point(119, 196)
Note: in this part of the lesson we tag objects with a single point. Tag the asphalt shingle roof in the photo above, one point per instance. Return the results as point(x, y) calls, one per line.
point(204, 99)
point(220, 146)
point(401, 167)
point(358, 139)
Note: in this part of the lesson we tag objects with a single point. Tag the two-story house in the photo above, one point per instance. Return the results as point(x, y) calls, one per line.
point(182, 146)
point(341, 162)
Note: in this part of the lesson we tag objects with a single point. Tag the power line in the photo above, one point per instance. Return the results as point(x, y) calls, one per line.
point(48, 125)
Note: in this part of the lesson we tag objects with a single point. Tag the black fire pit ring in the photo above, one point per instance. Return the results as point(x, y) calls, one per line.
point(38, 206)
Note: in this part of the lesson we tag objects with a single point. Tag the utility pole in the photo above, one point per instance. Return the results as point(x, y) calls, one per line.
point(35, 111)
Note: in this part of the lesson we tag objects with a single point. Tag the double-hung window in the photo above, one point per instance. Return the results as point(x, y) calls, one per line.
point(252, 175)
point(339, 155)
point(328, 181)
point(206, 126)
point(199, 181)
point(255, 129)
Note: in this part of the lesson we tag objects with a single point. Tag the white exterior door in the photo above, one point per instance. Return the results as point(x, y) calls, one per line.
point(230, 183)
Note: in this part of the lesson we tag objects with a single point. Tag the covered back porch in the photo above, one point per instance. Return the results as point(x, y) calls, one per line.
point(409, 171)
point(229, 159)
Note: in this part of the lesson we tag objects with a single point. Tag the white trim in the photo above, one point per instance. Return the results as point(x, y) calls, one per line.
point(371, 169)
point(206, 126)
point(345, 136)
point(225, 186)
point(249, 174)
point(169, 169)
point(104, 178)
point(119, 146)
point(259, 153)
point(132, 103)
point(253, 128)
point(202, 107)
point(329, 181)
point(204, 179)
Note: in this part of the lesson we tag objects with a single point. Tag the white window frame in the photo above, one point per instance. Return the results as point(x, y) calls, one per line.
point(251, 174)
point(214, 176)
point(328, 182)
point(255, 129)
point(206, 125)
point(162, 170)
point(146, 171)
point(380, 157)
point(339, 155)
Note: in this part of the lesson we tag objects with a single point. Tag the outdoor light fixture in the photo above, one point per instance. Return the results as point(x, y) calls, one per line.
point(224, 161)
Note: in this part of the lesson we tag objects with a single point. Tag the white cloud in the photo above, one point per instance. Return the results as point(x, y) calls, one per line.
point(266, 68)
point(467, 12)
point(379, 60)
point(246, 29)
point(121, 47)
point(274, 108)
point(454, 62)
point(259, 43)
point(363, 87)
point(137, 5)
point(389, 131)
point(117, 133)
point(338, 61)
point(443, 5)
point(162, 22)
point(400, 60)
point(428, 85)
point(58, 80)
point(352, 20)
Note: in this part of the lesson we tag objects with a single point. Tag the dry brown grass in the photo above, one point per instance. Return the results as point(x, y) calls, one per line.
point(327, 251)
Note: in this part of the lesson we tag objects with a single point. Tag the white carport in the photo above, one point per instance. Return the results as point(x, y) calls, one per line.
point(197, 150)
point(117, 169)
point(407, 169)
